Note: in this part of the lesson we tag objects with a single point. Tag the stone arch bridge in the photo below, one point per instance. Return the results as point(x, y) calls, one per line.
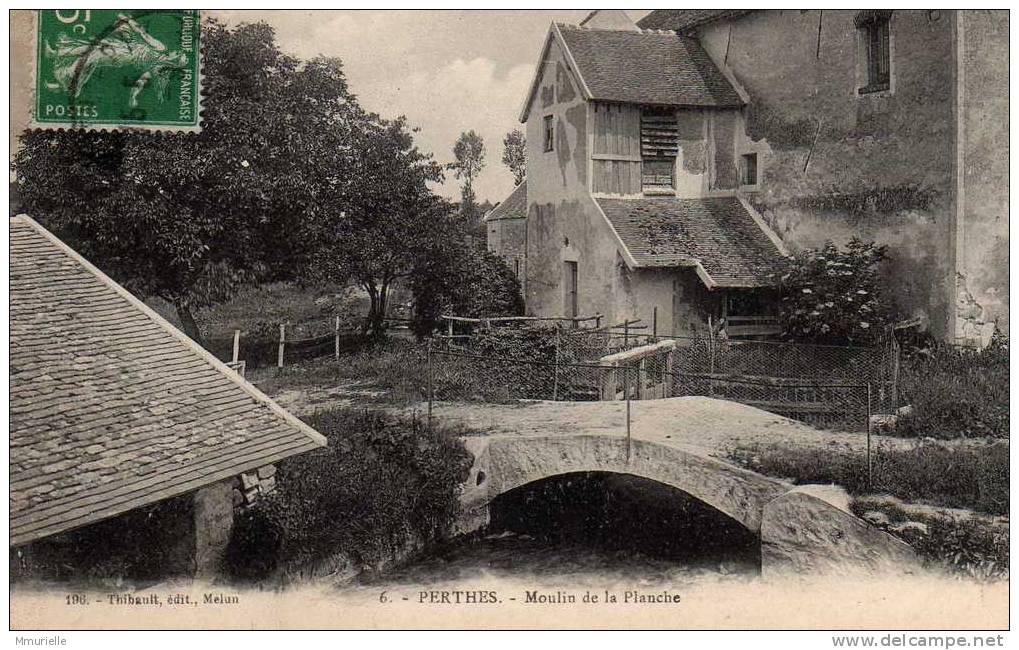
point(678, 442)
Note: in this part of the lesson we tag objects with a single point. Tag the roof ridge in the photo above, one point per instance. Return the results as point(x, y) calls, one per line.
point(161, 322)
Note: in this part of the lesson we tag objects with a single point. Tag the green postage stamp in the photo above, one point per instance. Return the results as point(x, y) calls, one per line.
point(120, 68)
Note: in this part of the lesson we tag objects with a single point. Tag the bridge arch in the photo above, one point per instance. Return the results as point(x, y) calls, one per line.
point(504, 463)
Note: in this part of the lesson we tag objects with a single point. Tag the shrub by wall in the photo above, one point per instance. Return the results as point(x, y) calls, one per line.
point(955, 392)
point(381, 481)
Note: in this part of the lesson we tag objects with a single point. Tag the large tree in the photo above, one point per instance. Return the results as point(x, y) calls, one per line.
point(390, 222)
point(191, 217)
point(514, 154)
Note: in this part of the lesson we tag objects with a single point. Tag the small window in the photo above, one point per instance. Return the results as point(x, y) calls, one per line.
point(748, 169)
point(549, 133)
point(874, 27)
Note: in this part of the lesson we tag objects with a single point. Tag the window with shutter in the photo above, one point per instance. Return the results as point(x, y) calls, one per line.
point(659, 146)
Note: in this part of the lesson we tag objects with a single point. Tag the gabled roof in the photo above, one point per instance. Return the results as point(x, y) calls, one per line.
point(653, 68)
point(717, 236)
point(681, 20)
point(111, 407)
point(514, 207)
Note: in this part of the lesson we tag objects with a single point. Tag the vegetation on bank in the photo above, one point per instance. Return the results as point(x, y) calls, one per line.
point(965, 544)
point(955, 392)
point(942, 475)
point(381, 482)
point(974, 476)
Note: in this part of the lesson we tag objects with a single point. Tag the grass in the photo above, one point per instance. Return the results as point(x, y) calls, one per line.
point(397, 367)
point(956, 393)
point(938, 475)
point(973, 476)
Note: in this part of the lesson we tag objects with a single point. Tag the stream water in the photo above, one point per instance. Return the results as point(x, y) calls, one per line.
point(588, 530)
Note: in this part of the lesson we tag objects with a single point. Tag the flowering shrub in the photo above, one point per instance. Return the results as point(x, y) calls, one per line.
point(835, 296)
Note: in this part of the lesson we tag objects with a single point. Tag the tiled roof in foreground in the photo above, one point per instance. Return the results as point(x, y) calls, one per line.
point(718, 234)
point(111, 407)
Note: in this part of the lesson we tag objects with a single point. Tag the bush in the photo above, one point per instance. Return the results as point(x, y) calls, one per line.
point(835, 296)
point(956, 392)
point(382, 481)
point(974, 477)
point(968, 545)
point(477, 284)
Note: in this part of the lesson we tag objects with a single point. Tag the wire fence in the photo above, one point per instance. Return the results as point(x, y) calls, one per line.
point(826, 386)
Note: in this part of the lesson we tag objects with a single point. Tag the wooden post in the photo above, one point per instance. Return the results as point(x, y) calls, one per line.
point(555, 368)
point(431, 383)
point(336, 339)
point(654, 323)
point(626, 394)
point(870, 462)
point(283, 340)
point(669, 380)
point(626, 333)
point(449, 327)
point(237, 346)
point(641, 377)
point(597, 322)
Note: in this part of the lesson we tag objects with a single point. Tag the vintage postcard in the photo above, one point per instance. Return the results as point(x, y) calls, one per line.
point(687, 319)
point(117, 68)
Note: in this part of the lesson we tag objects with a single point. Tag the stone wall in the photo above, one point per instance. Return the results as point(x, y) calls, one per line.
point(833, 163)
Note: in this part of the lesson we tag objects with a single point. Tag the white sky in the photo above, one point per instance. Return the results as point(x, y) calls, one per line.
point(447, 71)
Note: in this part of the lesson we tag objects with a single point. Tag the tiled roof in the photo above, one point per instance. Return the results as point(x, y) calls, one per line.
point(514, 207)
point(680, 20)
point(718, 234)
point(111, 407)
point(647, 68)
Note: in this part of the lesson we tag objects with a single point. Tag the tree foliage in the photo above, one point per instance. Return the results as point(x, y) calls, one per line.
point(469, 160)
point(514, 154)
point(466, 280)
point(192, 217)
point(835, 296)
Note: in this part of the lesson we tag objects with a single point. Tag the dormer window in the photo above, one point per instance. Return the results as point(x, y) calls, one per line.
point(549, 138)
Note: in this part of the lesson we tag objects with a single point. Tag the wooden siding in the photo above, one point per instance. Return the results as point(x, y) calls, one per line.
point(616, 177)
point(617, 130)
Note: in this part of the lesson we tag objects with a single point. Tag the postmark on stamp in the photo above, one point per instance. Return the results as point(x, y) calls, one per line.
point(109, 69)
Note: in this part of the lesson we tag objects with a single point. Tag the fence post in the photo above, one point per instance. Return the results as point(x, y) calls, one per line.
point(641, 377)
point(237, 346)
point(654, 323)
point(283, 340)
point(896, 353)
point(626, 333)
point(870, 462)
point(555, 368)
point(597, 322)
point(449, 327)
point(336, 339)
point(431, 383)
point(626, 394)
